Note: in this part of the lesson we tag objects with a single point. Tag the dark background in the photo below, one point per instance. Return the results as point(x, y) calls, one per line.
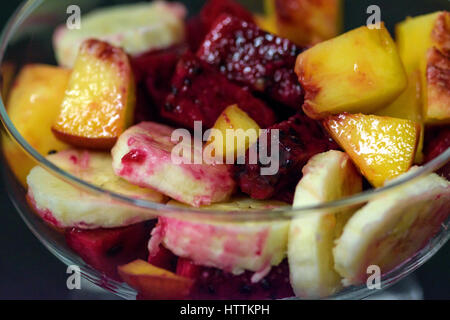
point(29, 271)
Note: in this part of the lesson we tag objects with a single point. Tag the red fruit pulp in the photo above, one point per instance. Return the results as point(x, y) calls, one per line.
point(251, 57)
point(198, 26)
point(106, 249)
point(437, 140)
point(212, 283)
point(300, 138)
point(199, 93)
point(154, 70)
point(163, 258)
point(214, 8)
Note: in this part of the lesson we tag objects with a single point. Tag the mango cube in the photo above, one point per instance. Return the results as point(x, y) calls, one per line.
point(359, 71)
point(381, 147)
point(243, 132)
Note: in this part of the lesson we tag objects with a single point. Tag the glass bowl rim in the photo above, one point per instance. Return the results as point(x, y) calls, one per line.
point(15, 21)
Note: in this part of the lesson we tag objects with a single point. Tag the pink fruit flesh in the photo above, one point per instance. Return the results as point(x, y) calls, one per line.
point(251, 57)
point(212, 283)
point(200, 93)
point(106, 249)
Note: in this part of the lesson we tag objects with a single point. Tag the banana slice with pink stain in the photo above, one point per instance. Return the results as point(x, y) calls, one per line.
point(144, 156)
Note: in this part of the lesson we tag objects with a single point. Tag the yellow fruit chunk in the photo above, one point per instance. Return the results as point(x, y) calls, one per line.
point(266, 23)
point(382, 147)
point(236, 132)
point(409, 106)
point(414, 37)
point(153, 282)
point(100, 97)
point(33, 105)
point(359, 71)
point(307, 22)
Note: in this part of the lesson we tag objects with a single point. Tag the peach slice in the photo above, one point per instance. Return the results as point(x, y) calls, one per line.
point(33, 105)
point(100, 98)
point(436, 87)
point(359, 71)
point(382, 147)
point(153, 282)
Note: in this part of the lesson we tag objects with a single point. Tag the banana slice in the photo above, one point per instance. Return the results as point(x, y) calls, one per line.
point(143, 156)
point(136, 28)
point(392, 228)
point(327, 176)
point(230, 246)
point(66, 206)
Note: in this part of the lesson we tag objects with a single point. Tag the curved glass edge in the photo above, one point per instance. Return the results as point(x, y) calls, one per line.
point(16, 20)
point(54, 242)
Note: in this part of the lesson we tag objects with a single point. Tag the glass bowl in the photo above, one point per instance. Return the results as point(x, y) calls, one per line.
point(27, 38)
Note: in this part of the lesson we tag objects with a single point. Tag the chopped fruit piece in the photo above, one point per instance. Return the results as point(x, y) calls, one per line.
point(100, 98)
point(214, 8)
point(64, 205)
point(266, 23)
point(408, 106)
point(155, 283)
point(327, 177)
point(247, 55)
point(230, 246)
point(135, 28)
point(195, 32)
point(437, 141)
point(431, 53)
point(300, 138)
point(106, 249)
point(436, 87)
point(144, 155)
point(163, 258)
point(155, 70)
point(198, 26)
point(308, 21)
point(415, 36)
point(236, 144)
point(392, 228)
point(199, 93)
point(187, 268)
point(212, 283)
point(33, 106)
point(382, 147)
point(366, 75)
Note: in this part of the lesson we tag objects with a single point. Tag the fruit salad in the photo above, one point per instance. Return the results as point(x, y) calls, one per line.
point(232, 112)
